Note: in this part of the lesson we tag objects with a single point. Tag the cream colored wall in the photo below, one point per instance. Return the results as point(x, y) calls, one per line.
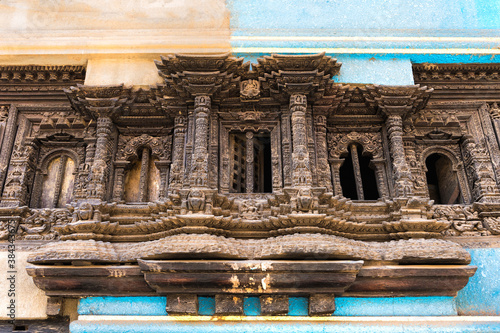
point(31, 302)
point(117, 39)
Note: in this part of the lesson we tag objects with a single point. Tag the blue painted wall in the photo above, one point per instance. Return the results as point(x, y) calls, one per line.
point(481, 296)
point(369, 17)
point(282, 327)
point(377, 40)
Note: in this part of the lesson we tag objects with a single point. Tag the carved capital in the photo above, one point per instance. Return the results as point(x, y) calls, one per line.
point(396, 100)
point(100, 101)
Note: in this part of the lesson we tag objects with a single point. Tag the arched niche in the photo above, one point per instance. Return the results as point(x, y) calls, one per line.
point(54, 181)
point(142, 177)
point(445, 177)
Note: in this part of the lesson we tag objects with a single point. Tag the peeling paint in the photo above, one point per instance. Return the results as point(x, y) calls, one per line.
point(266, 282)
point(235, 281)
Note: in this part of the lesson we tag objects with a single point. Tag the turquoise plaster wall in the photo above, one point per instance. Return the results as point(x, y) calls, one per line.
point(282, 327)
point(369, 17)
point(481, 296)
point(377, 40)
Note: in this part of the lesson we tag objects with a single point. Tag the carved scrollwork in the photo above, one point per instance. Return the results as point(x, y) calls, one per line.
point(338, 143)
point(129, 147)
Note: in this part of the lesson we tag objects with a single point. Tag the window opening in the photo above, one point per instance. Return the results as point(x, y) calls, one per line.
point(442, 182)
point(57, 188)
point(357, 176)
point(251, 162)
point(142, 181)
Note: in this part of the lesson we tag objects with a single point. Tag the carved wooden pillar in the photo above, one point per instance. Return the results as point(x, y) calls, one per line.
point(323, 168)
point(490, 121)
point(8, 138)
point(164, 167)
point(177, 167)
point(276, 160)
point(285, 147)
point(61, 168)
point(477, 163)
point(100, 166)
point(301, 173)
point(357, 172)
point(119, 188)
point(379, 167)
point(335, 164)
point(82, 179)
point(213, 150)
point(249, 162)
point(199, 168)
point(143, 177)
point(401, 170)
point(311, 147)
point(20, 175)
point(225, 153)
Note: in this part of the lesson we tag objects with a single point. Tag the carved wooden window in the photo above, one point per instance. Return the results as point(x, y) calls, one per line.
point(250, 166)
point(442, 181)
point(357, 176)
point(142, 180)
point(57, 183)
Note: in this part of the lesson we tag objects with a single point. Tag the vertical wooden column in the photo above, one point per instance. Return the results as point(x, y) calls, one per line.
point(335, 164)
point(199, 168)
point(143, 178)
point(100, 167)
point(177, 167)
point(301, 173)
point(61, 168)
point(249, 162)
point(285, 143)
point(490, 123)
point(478, 163)
point(9, 136)
point(323, 168)
point(81, 181)
point(401, 170)
point(357, 172)
point(379, 167)
point(118, 188)
point(277, 170)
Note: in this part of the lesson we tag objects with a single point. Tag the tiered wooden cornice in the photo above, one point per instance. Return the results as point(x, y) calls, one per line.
point(460, 85)
point(192, 75)
point(26, 85)
point(284, 75)
point(400, 100)
point(95, 101)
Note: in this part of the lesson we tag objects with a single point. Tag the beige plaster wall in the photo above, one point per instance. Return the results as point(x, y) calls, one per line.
point(117, 39)
point(31, 302)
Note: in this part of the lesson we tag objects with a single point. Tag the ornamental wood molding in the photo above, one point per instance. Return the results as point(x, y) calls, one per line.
point(248, 171)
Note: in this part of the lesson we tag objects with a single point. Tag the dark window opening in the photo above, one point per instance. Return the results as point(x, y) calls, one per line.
point(370, 188)
point(251, 174)
point(262, 163)
point(357, 178)
point(442, 181)
point(347, 179)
